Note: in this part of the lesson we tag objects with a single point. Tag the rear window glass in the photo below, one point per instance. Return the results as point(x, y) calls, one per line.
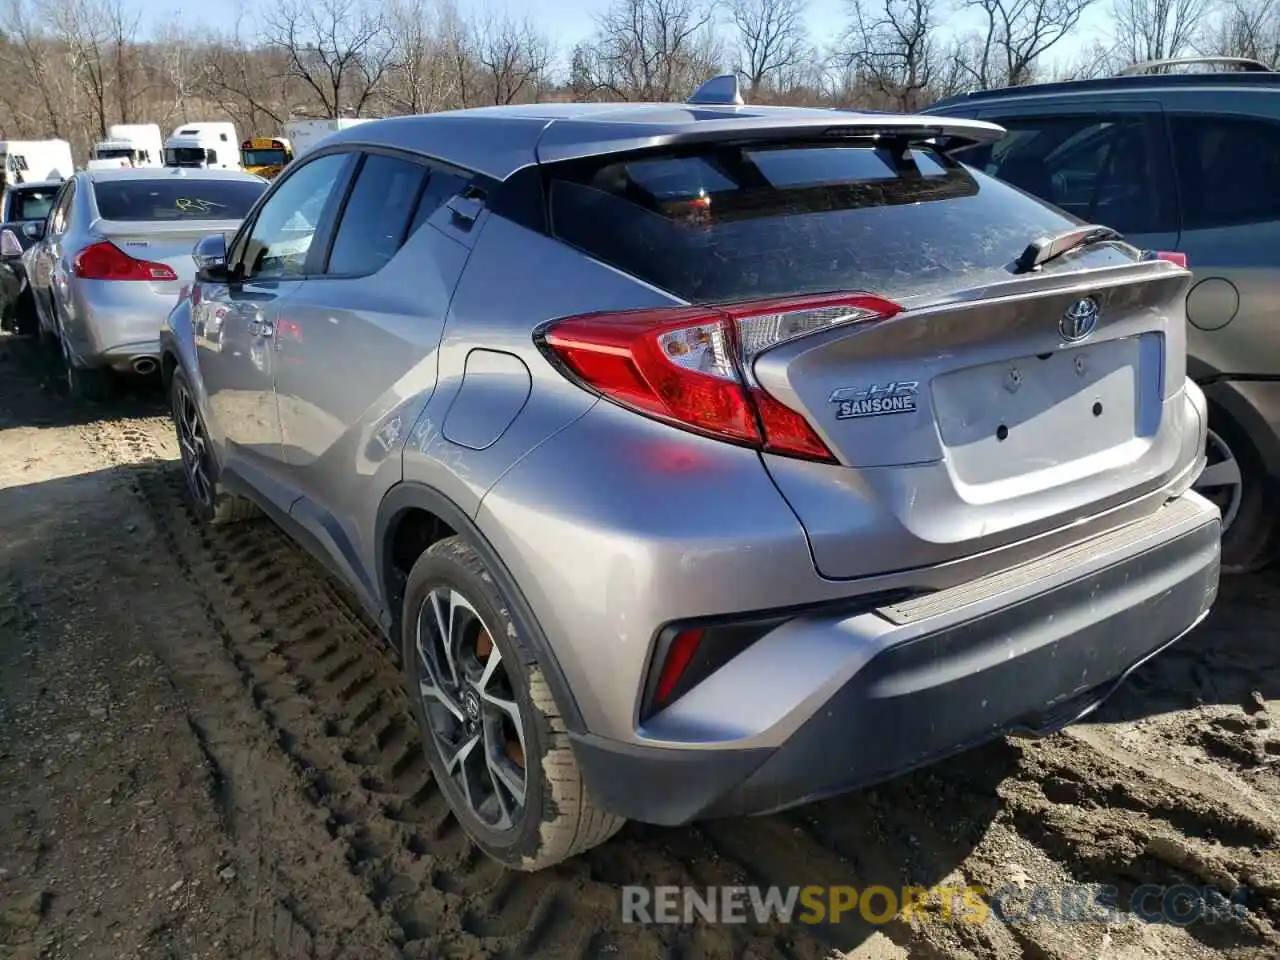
point(741, 222)
point(176, 199)
point(33, 204)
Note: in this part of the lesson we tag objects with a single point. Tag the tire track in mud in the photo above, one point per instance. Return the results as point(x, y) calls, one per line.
point(328, 687)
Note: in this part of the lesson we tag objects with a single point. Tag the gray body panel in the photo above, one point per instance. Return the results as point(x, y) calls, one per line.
point(340, 403)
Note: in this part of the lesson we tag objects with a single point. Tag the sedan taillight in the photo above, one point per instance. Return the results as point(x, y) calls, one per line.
point(106, 261)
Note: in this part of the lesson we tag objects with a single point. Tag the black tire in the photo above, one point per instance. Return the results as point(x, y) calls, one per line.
point(87, 384)
point(1249, 542)
point(218, 506)
point(25, 317)
point(558, 819)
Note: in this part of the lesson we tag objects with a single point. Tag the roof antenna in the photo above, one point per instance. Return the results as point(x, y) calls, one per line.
point(721, 91)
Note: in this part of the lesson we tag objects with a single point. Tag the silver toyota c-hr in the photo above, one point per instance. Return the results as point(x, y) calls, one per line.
point(702, 459)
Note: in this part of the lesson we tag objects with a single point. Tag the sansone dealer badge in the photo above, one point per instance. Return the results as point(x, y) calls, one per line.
point(875, 400)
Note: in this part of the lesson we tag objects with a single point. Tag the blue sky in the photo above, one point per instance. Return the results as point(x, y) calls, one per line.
point(567, 21)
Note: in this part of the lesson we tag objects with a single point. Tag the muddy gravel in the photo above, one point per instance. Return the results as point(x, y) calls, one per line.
point(205, 752)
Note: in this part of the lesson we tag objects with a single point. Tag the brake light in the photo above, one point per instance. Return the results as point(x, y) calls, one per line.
point(690, 366)
point(106, 261)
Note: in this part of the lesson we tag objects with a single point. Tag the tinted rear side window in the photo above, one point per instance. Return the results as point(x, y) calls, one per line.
point(176, 199)
point(377, 214)
point(742, 222)
point(1228, 167)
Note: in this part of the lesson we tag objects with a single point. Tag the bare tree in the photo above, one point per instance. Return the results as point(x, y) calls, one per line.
point(38, 66)
point(85, 33)
point(122, 29)
point(647, 50)
point(1157, 29)
point(514, 56)
point(770, 38)
point(423, 76)
point(184, 72)
point(891, 51)
point(340, 50)
point(1248, 28)
point(1015, 34)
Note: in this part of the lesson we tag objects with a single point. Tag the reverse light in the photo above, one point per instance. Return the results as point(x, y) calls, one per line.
point(105, 261)
point(690, 366)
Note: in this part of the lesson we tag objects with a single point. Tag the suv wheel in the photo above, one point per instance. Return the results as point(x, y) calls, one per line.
point(490, 727)
point(212, 504)
point(1234, 479)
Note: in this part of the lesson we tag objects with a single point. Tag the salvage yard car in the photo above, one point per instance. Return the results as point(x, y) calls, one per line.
point(1186, 162)
point(112, 256)
point(23, 206)
point(701, 459)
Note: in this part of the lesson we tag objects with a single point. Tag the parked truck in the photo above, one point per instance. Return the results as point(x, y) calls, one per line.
point(306, 135)
point(265, 156)
point(210, 145)
point(138, 144)
point(23, 161)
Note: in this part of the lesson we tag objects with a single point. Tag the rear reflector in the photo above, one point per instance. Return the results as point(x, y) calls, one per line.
point(106, 261)
point(690, 366)
point(682, 649)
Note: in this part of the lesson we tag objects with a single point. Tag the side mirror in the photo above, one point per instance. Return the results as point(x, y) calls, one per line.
point(210, 255)
point(33, 229)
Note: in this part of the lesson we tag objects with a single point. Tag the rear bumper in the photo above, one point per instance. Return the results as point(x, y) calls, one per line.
point(1038, 648)
point(115, 323)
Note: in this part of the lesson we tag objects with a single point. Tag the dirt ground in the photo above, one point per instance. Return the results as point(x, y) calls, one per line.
point(204, 752)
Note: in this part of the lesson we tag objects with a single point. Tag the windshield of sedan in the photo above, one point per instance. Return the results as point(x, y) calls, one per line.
point(176, 199)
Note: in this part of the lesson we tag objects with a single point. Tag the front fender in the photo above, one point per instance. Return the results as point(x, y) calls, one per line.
point(178, 352)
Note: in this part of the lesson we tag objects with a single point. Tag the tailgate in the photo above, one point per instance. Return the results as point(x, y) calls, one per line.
point(965, 425)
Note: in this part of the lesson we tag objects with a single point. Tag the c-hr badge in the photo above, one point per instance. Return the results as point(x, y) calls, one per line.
point(875, 400)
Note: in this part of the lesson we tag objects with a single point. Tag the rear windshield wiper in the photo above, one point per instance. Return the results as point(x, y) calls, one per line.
point(1047, 248)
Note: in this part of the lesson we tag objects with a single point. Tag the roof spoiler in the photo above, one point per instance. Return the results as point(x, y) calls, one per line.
point(582, 139)
point(944, 134)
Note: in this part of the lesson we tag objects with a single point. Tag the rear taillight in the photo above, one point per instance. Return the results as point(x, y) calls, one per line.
point(691, 366)
point(106, 261)
point(1177, 259)
point(10, 245)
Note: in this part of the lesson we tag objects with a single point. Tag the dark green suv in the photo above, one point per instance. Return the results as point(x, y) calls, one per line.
point(1185, 162)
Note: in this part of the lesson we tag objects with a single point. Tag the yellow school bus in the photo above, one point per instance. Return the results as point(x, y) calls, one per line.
point(265, 156)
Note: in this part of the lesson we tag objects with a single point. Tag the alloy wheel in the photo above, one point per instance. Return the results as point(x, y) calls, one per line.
point(1221, 481)
point(472, 713)
point(193, 446)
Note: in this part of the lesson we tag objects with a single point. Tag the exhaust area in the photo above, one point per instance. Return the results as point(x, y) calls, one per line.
point(144, 366)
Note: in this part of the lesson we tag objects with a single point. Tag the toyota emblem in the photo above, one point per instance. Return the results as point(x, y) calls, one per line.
point(1079, 320)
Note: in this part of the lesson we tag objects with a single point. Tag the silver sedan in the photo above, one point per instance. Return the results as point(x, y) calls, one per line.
point(110, 260)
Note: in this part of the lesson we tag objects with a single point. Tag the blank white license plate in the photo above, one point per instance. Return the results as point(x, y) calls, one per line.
point(1014, 417)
